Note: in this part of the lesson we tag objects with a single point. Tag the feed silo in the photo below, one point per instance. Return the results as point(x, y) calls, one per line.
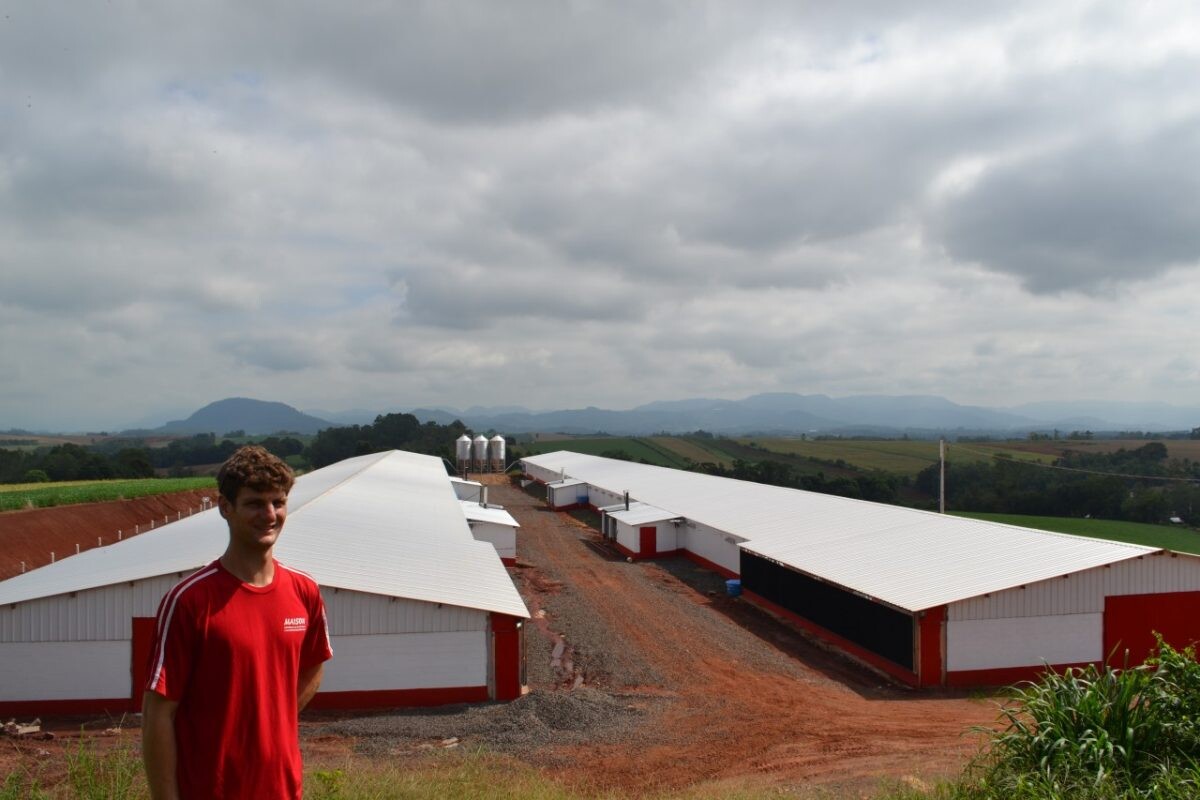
point(496, 453)
point(479, 453)
point(462, 453)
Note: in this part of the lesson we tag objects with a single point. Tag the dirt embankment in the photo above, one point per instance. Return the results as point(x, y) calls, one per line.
point(31, 535)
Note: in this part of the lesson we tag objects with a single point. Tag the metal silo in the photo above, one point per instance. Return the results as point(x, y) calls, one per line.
point(479, 453)
point(496, 453)
point(462, 453)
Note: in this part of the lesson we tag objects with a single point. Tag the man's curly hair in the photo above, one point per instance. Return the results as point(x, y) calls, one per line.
point(255, 467)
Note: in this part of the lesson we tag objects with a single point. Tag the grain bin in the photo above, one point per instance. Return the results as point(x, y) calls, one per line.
point(462, 453)
point(479, 453)
point(496, 453)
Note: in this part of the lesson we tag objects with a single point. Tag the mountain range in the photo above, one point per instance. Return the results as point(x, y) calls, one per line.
point(772, 413)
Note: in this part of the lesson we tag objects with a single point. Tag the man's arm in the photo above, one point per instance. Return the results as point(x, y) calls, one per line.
point(158, 745)
point(308, 683)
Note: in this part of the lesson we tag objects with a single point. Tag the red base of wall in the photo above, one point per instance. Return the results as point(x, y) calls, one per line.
point(861, 653)
point(625, 551)
point(570, 507)
point(64, 708)
point(1006, 676)
point(394, 698)
point(399, 698)
point(710, 565)
point(508, 562)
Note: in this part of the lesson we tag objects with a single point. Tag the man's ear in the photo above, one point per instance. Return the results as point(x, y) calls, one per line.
point(224, 506)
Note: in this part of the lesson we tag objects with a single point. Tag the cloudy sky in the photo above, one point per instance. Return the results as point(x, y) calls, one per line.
point(559, 204)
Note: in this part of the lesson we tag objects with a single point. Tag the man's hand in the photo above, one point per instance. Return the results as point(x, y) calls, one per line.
point(158, 745)
point(308, 683)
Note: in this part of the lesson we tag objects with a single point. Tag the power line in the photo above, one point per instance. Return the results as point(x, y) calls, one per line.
point(998, 457)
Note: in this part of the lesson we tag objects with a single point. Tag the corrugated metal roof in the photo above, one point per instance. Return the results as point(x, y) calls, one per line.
point(477, 513)
point(386, 523)
point(905, 557)
point(642, 514)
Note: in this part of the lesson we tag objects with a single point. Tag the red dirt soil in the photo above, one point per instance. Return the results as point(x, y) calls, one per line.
point(730, 720)
point(31, 535)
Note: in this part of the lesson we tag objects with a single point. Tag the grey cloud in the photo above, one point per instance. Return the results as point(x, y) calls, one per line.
point(274, 352)
point(472, 297)
point(1101, 211)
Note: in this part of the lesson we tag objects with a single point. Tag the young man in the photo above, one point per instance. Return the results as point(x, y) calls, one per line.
point(238, 652)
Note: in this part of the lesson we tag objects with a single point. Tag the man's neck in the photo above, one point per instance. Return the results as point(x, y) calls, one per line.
point(256, 567)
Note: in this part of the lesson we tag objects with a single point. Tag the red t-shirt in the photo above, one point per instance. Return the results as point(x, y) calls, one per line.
point(230, 655)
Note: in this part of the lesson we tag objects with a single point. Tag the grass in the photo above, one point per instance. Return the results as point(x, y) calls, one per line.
point(1185, 540)
point(635, 447)
point(43, 495)
point(94, 772)
point(901, 456)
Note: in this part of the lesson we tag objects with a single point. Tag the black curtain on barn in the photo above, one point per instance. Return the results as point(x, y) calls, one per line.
point(882, 630)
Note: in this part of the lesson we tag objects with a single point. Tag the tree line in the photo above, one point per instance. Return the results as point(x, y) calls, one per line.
point(132, 458)
point(1160, 489)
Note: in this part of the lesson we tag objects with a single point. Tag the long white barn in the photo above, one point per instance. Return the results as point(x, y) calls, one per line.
point(928, 598)
point(420, 612)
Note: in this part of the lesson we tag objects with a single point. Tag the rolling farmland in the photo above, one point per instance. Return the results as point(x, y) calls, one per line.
point(42, 495)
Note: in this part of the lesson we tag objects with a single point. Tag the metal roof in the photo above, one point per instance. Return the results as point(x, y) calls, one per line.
point(386, 523)
point(489, 513)
point(904, 557)
point(642, 514)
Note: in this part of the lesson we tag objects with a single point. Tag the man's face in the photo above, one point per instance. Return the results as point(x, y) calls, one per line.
point(256, 519)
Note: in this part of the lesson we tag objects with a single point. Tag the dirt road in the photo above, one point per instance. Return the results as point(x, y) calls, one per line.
point(737, 696)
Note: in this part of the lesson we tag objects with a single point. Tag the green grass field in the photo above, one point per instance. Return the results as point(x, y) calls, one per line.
point(1185, 540)
point(901, 456)
point(636, 447)
point(43, 495)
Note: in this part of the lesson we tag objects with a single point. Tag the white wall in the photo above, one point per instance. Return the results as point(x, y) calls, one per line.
point(502, 537)
point(352, 613)
point(630, 536)
point(1084, 592)
point(568, 495)
point(101, 614)
point(711, 544)
point(1024, 641)
point(65, 670)
point(407, 661)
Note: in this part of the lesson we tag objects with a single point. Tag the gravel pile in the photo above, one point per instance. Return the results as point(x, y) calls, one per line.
point(538, 720)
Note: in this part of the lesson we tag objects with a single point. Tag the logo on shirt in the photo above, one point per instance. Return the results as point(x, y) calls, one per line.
point(293, 624)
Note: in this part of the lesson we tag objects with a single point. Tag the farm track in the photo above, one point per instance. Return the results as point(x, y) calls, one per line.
point(736, 695)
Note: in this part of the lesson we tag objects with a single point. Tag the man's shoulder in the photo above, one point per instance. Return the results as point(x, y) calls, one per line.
point(303, 582)
point(194, 584)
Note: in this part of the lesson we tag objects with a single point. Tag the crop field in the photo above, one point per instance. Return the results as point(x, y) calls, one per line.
point(695, 450)
point(901, 456)
point(636, 448)
point(1185, 540)
point(43, 495)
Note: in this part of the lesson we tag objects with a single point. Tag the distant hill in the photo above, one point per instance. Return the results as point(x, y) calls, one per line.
point(255, 417)
point(778, 413)
point(860, 415)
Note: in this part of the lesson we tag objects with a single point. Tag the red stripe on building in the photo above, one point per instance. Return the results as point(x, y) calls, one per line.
point(399, 698)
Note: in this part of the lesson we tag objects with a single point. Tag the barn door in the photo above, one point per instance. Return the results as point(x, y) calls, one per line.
point(139, 669)
point(1130, 622)
point(647, 545)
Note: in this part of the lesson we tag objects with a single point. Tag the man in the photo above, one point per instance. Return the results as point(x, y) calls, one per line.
point(239, 651)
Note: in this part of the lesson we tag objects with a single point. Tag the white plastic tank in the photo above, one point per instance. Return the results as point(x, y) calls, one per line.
point(462, 452)
point(496, 453)
point(479, 453)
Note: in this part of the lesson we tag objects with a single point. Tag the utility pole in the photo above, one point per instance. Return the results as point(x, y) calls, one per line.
point(941, 476)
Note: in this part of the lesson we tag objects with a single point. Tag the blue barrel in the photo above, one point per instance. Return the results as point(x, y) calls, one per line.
point(733, 587)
